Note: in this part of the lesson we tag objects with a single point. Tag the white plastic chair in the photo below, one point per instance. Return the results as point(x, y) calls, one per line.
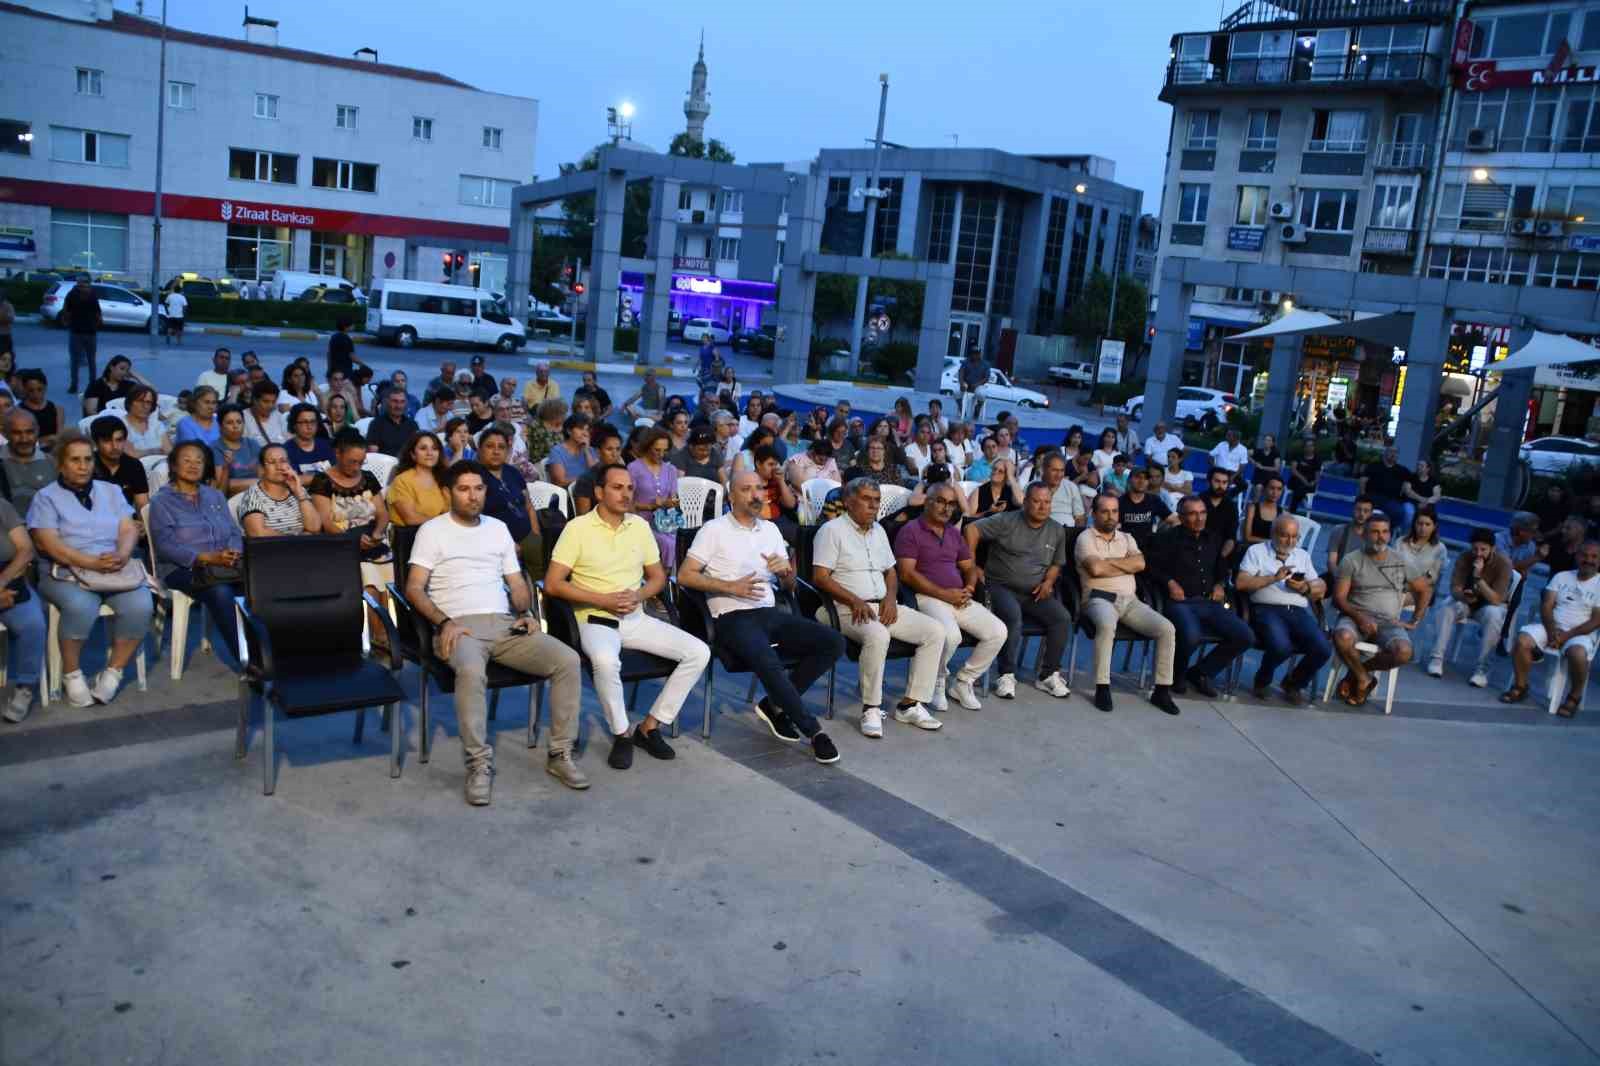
point(1558, 681)
point(1309, 528)
point(540, 493)
point(1455, 640)
point(235, 506)
point(638, 422)
point(1391, 681)
point(165, 404)
point(362, 425)
point(970, 488)
point(813, 495)
point(88, 420)
point(692, 495)
point(178, 605)
point(54, 668)
point(155, 472)
point(381, 466)
point(892, 499)
point(117, 407)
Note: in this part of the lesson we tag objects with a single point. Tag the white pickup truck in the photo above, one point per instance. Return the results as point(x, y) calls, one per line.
point(1072, 375)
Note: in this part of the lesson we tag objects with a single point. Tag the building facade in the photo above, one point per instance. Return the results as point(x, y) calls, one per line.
point(275, 158)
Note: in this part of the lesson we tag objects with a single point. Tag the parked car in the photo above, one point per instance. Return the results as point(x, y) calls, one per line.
point(1072, 375)
point(696, 329)
point(118, 306)
point(761, 341)
point(332, 294)
point(1557, 455)
point(549, 319)
point(197, 287)
point(1206, 408)
point(1000, 387)
point(405, 313)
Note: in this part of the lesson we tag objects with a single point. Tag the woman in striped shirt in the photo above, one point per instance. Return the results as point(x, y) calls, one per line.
point(278, 504)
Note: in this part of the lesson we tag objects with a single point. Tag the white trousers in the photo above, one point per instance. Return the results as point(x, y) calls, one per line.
point(974, 618)
point(640, 632)
point(910, 626)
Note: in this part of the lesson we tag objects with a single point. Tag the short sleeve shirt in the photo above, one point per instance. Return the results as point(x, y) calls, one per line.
point(1378, 587)
point(1230, 459)
point(467, 565)
point(281, 516)
point(1262, 559)
point(1066, 505)
point(936, 556)
point(353, 508)
point(1141, 520)
point(9, 520)
point(1119, 545)
point(1019, 554)
point(130, 477)
point(729, 550)
point(93, 530)
point(857, 559)
point(1575, 600)
point(430, 502)
point(246, 459)
point(603, 559)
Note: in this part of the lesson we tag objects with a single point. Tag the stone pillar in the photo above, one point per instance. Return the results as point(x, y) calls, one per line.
point(660, 242)
point(1419, 407)
point(1166, 354)
point(519, 260)
point(1283, 379)
point(797, 295)
point(934, 337)
point(605, 266)
point(1499, 482)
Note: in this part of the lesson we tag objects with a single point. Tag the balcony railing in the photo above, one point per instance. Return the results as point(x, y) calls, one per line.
point(1384, 68)
point(1253, 12)
point(1401, 155)
point(1381, 241)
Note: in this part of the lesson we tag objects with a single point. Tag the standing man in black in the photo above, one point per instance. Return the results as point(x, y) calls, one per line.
point(342, 350)
point(972, 374)
point(1189, 561)
point(81, 315)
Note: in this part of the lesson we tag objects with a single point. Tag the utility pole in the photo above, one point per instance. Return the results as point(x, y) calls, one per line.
point(161, 147)
point(872, 196)
point(577, 279)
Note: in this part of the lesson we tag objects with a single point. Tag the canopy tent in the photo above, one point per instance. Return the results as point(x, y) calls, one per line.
point(1392, 330)
point(1546, 349)
point(1296, 321)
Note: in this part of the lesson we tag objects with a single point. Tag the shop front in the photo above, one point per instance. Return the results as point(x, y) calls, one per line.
point(731, 302)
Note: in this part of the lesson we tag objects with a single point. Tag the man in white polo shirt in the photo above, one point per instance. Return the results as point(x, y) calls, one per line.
point(1282, 581)
point(1231, 455)
point(733, 561)
point(462, 564)
point(1158, 444)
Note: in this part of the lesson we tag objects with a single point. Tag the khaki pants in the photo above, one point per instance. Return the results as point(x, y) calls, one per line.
point(489, 637)
point(974, 618)
point(1104, 616)
point(910, 626)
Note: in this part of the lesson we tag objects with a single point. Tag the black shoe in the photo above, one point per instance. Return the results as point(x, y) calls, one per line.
point(653, 742)
point(823, 749)
point(1102, 698)
point(777, 721)
point(1202, 684)
point(1294, 696)
point(621, 756)
point(1179, 687)
point(1260, 693)
point(1162, 698)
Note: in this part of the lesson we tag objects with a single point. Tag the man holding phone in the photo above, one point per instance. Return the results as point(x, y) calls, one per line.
point(1281, 581)
point(463, 565)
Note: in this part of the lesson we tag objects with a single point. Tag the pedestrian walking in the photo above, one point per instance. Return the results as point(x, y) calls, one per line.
point(177, 305)
point(81, 312)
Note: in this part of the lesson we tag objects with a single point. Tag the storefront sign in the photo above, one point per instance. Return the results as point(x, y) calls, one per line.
point(16, 242)
point(1111, 353)
point(1482, 75)
point(696, 285)
point(1196, 339)
point(1245, 238)
point(1338, 390)
point(1570, 376)
point(1584, 243)
point(262, 214)
point(690, 262)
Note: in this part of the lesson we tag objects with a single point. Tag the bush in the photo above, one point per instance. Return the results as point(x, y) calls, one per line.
point(292, 313)
point(625, 340)
point(896, 362)
point(25, 296)
point(1115, 395)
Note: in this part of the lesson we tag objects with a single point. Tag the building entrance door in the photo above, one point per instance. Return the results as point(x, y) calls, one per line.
point(330, 260)
point(966, 333)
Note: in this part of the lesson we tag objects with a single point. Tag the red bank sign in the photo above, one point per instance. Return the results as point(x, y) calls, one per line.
point(1481, 75)
point(231, 211)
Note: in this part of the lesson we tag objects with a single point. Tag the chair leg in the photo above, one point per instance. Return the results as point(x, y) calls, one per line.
point(832, 671)
point(52, 659)
point(205, 630)
point(179, 632)
point(138, 665)
point(244, 720)
point(268, 768)
point(705, 716)
point(1393, 684)
point(392, 712)
point(1072, 657)
point(425, 740)
point(533, 714)
point(361, 725)
point(494, 703)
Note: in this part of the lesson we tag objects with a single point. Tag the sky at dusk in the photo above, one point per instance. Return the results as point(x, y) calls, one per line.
point(785, 79)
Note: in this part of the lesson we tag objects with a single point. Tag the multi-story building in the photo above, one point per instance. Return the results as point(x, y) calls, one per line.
point(275, 158)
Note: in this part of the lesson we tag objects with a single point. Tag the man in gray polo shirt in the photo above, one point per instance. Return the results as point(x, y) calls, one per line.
point(1369, 590)
point(27, 469)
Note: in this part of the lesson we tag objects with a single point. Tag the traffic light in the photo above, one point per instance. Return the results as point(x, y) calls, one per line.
point(449, 264)
point(577, 290)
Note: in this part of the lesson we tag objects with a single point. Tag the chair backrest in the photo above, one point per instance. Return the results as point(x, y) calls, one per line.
point(813, 494)
point(166, 404)
point(156, 472)
point(970, 487)
point(892, 500)
point(1309, 530)
point(540, 493)
point(639, 422)
point(235, 506)
point(118, 406)
point(88, 420)
point(401, 540)
point(560, 621)
point(362, 425)
point(307, 593)
point(382, 466)
point(693, 495)
point(150, 549)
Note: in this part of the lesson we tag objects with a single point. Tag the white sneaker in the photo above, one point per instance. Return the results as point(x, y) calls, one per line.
point(1053, 685)
point(1480, 679)
point(78, 690)
point(917, 715)
point(21, 704)
point(106, 685)
point(1005, 686)
point(1436, 667)
point(871, 722)
point(939, 703)
point(963, 693)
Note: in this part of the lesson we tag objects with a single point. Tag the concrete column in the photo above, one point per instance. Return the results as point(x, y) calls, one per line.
point(934, 337)
point(1166, 354)
point(1030, 261)
point(660, 243)
point(1282, 379)
point(910, 204)
point(1419, 407)
point(519, 260)
point(605, 265)
point(1498, 485)
point(797, 296)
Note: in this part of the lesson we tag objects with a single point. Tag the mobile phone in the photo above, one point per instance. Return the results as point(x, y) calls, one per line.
point(1298, 575)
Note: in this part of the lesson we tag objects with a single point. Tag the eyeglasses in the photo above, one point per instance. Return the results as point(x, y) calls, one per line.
point(940, 502)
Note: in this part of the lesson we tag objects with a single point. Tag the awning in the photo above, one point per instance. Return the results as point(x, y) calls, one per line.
point(1392, 330)
point(1296, 321)
point(1546, 349)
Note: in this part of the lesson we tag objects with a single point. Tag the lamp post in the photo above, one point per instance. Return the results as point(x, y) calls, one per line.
point(872, 195)
point(619, 122)
point(161, 149)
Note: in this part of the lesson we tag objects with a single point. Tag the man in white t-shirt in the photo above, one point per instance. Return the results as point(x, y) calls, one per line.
point(1230, 455)
point(1066, 499)
point(217, 376)
point(175, 306)
point(462, 565)
point(1158, 444)
point(734, 560)
point(1569, 622)
point(1282, 581)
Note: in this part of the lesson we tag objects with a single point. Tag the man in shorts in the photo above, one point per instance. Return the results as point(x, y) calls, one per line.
point(1369, 589)
point(1569, 614)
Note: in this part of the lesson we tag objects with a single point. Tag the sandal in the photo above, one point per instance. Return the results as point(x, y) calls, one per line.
point(1568, 708)
point(1343, 688)
point(1355, 700)
point(1514, 694)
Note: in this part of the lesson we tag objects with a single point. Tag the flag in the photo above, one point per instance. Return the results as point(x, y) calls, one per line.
point(1560, 60)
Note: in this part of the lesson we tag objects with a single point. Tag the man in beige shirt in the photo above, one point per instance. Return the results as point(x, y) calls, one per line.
point(1107, 559)
point(541, 388)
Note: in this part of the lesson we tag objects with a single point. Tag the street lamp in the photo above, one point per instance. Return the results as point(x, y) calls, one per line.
point(1288, 304)
point(1080, 188)
point(1480, 174)
point(619, 122)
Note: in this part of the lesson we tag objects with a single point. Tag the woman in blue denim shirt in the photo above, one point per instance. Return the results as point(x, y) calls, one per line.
point(192, 529)
point(20, 612)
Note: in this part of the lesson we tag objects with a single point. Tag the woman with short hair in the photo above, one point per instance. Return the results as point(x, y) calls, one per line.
point(198, 548)
point(201, 422)
point(278, 504)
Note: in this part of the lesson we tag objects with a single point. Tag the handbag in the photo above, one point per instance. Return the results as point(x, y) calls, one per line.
point(131, 576)
point(210, 575)
point(666, 520)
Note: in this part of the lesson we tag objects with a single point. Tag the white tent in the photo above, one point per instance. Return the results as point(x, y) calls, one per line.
point(1392, 330)
point(1296, 321)
point(1546, 349)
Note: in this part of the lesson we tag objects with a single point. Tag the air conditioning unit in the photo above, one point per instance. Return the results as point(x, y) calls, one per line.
point(1292, 233)
point(1523, 227)
point(1547, 228)
point(1482, 139)
point(1282, 209)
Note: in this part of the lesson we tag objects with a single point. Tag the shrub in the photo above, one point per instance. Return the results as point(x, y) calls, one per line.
point(896, 362)
point(25, 296)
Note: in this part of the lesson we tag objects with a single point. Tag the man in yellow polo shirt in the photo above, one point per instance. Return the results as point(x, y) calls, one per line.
point(606, 565)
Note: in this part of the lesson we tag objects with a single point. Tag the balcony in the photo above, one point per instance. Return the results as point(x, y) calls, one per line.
point(1389, 70)
point(1312, 12)
point(1400, 155)
point(1380, 241)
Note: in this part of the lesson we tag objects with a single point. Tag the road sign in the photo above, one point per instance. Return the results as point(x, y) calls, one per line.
point(1111, 361)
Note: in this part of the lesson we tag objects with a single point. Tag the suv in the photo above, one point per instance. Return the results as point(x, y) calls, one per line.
point(761, 341)
point(697, 329)
point(119, 306)
point(1206, 408)
point(1072, 375)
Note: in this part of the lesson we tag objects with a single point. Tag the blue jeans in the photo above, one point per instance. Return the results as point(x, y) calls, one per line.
point(218, 602)
point(746, 637)
point(1197, 620)
point(1284, 631)
point(81, 349)
point(79, 608)
point(25, 631)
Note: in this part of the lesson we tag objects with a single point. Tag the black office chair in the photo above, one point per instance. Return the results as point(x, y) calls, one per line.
point(695, 613)
point(300, 632)
point(1236, 601)
point(811, 601)
point(637, 666)
point(1072, 595)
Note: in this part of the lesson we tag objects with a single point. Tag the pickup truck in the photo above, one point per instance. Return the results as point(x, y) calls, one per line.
point(1072, 375)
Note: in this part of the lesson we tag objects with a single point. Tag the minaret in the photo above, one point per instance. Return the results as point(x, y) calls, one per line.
point(697, 105)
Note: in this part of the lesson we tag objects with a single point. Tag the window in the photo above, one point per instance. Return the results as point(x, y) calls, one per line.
point(342, 174)
point(266, 105)
point(1589, 39)
point(1392, 204)
point(1203, 129)
point(491, 137)
point(1517, 36)
point(180, 95)
point(257, 251)
point(1579, 121)
point(886, 231)
point(421, 128)
point(344, 116)
point(1484, 207)
point(1261, 131)
point(1193, 202)
point(1194, 60)
point(486, 192)
point(1579, 205)
point(1338, 131)
point(245, 164)
point(1330, 54)
point(734, 201)
point(1525, 119)
point(1391, 52)
point(685, 198)
point(92, 240)
point(1254, 205)
point(89, 81)
point(1259, 56)
point(16, 138)
point(728, 248)
point(1329, 210)
point(68, 145)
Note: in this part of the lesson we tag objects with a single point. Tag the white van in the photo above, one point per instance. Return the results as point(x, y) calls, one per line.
point(289, 284)
point(404, 312)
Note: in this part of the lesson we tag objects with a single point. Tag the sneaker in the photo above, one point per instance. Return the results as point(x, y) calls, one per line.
point(1436, 667)
point(1053, 685)
point(78, 690)
point(480, 783)
point(939, 703)
point(653, 742)
point(106, 685)
point(1102, 699)
point(871, 722)
point(963, 693)
point(621, 756)
point(917, 715)
point(1005, 686)
point(564, 769)
point(823, 749)
point(1480, 679)
point(1295, 697)
point(778, 722)
point(21, 704)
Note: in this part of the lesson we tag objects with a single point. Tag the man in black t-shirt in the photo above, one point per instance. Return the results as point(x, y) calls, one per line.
point(1142, 513)
point(108, 433)
point(342, 350)
point(1304, 469)
point(1384, 479)
point(597, 396)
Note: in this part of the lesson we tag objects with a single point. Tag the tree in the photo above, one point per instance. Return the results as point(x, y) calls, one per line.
point(1085, 320)
point(692, 148)
point(578, 211)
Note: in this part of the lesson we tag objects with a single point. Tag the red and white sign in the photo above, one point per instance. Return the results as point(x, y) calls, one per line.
point(263, 215)
point(1463, 46)
point(1482, 75)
